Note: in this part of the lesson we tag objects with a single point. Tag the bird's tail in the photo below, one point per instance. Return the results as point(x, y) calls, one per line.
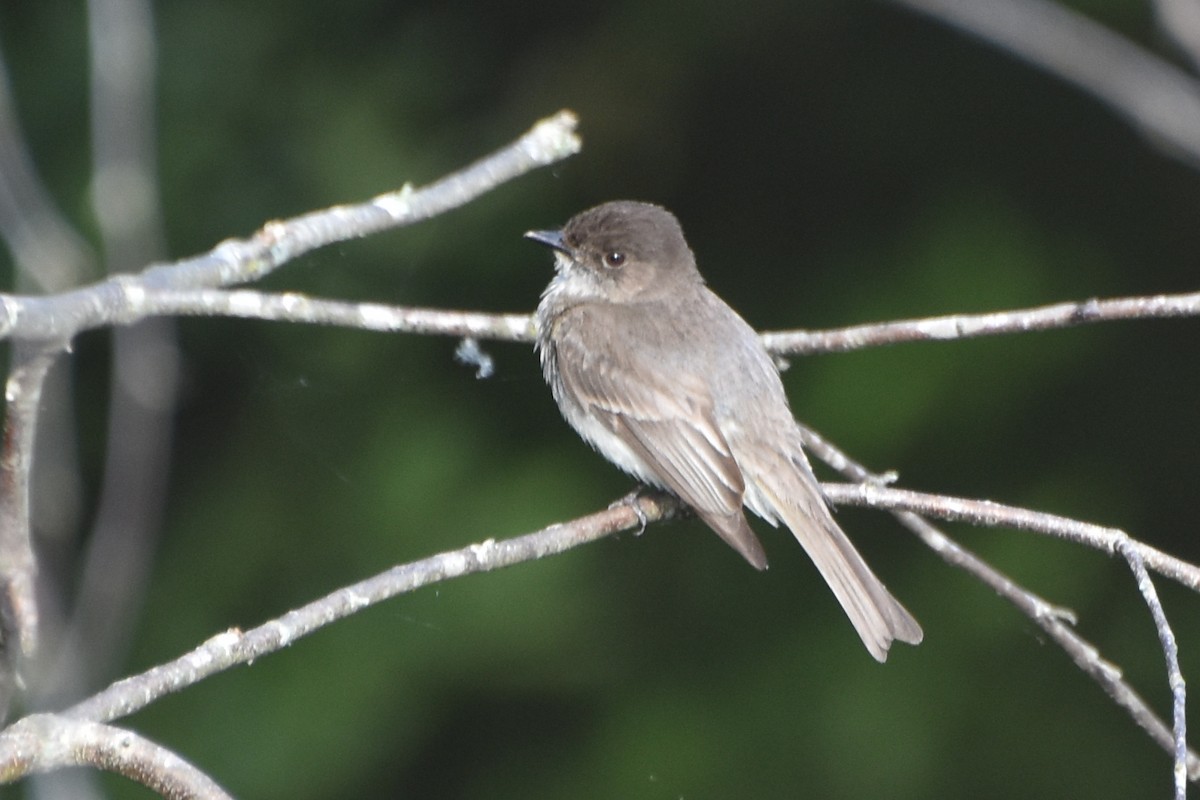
point(795, 497)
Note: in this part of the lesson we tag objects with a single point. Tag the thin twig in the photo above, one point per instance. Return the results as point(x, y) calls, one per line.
point(1132, 555)
point(966, 326)
point(43, 743)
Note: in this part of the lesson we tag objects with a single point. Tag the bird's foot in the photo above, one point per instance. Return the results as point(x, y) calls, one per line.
point(631, 500)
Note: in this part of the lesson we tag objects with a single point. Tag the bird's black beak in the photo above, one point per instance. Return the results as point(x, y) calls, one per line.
point(552, 239)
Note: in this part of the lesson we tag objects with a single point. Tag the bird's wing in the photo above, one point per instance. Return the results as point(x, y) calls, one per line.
point(669, 424)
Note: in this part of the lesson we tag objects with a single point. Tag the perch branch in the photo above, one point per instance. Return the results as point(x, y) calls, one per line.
point(238, 647)
point(296, 307)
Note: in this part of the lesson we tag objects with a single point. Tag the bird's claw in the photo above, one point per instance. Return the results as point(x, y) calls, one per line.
point(631, 500)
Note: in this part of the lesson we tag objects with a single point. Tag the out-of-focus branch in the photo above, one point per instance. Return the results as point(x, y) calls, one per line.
point(118, 552)
point(47, 252)
point(1181, 20)
point(43, 743)
point(1158, 98)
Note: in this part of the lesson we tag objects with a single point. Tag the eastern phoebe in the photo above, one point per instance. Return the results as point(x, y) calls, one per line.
point(665, 380)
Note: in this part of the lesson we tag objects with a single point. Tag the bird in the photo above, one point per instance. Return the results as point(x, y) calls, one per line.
point(661, 377)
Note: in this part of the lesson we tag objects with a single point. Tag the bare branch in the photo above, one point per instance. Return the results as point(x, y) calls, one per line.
point(1156, 97)
point(965, 326)
point(50, 323)
point(48, 253)
point(294, 307)
point(46, 742)
point(122, 299)
point(1057, 623)
point(986, 512)
point(1054, 621)
point(1166, 636)
point(237, 647)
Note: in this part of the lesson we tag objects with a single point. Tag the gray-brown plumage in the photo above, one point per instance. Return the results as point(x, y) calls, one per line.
point(670, 384)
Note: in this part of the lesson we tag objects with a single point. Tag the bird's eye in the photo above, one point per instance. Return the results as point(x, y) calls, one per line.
point(614, 259)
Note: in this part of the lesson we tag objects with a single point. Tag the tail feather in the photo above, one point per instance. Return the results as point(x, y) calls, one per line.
point(794, 496)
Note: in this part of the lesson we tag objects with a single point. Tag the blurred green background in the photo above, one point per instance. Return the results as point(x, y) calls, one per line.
point(833, 163)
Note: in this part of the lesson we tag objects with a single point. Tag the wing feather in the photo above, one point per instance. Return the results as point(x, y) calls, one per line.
point(669, 425)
